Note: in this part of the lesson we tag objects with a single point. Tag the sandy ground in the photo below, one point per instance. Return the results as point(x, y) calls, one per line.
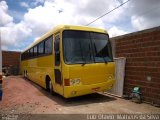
point(22, 96)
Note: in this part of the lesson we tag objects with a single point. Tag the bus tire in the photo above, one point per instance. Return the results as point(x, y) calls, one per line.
point(24, 74)
point(49, 85)
point(51, 88)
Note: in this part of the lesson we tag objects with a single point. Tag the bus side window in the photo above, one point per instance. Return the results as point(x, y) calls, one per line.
point(56, 51)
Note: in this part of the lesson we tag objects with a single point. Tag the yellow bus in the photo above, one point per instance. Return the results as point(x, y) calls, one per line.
point(71, 61)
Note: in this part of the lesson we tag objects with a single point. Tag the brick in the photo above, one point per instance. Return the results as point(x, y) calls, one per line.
point(130, 81)
point(148, 99)
point(10, 58)
point(127, 72)
point(153, 53)
point(154, 96)
point(155, 90)
point(153, 58)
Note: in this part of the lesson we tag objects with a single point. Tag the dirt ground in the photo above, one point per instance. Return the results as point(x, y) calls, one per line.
point(22, 96)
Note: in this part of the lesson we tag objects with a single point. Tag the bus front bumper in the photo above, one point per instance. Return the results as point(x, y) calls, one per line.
point(73, 91)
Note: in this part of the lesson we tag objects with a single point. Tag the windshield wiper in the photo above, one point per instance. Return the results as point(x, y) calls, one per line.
point(90, 51)
point(82, 54)
point(100, 54)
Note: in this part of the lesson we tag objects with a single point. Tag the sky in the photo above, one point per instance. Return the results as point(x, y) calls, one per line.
point(23, 21)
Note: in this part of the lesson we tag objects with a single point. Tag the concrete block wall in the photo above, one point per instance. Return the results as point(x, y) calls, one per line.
point(142, 52)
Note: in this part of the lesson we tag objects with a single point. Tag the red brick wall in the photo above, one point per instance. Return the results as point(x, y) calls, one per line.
point(11, 58)
point(142, 52)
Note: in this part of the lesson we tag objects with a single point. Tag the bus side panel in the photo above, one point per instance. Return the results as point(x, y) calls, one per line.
point(38, 68)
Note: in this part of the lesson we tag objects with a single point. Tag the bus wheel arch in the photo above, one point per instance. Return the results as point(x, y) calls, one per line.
point(24, 73)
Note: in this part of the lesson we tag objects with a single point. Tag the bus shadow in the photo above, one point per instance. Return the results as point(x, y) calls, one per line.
point(75, 101)
point(88, 99)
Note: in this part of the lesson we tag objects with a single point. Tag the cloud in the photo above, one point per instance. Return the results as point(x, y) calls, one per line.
point(24, 4)
point(42, 18)
point(47, 14)
point(36, 2)
point(114, 31)
point(145, 14)
point(12, 35)
point(96, 8)
point(5, 18)
point(38, 20)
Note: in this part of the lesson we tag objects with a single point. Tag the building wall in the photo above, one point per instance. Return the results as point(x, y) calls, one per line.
point(142, 52)
point(11, 59)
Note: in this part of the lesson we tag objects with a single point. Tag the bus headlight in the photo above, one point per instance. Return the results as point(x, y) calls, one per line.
point(72, 82)
point(75, 81)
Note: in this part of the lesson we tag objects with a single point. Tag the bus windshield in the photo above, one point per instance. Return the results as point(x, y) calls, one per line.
point(82, 47)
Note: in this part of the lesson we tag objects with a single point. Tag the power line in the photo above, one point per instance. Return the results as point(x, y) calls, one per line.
point(108, 12)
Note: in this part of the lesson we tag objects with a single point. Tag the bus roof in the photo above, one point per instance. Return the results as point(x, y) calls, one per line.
point(64, 27)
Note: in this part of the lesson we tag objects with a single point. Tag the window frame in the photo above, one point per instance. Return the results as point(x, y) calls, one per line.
point(28, 55)
point(57, 52)
point(51, 49)
point(91, 32)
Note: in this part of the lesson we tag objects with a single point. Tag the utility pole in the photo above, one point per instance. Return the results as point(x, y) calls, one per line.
point(0, 55)
point(0, 69)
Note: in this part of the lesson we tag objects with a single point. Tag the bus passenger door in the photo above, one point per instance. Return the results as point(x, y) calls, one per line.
point(58, 86)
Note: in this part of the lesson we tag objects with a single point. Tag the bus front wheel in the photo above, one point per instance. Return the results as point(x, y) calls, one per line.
point(51, 87)
point(24, 73)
